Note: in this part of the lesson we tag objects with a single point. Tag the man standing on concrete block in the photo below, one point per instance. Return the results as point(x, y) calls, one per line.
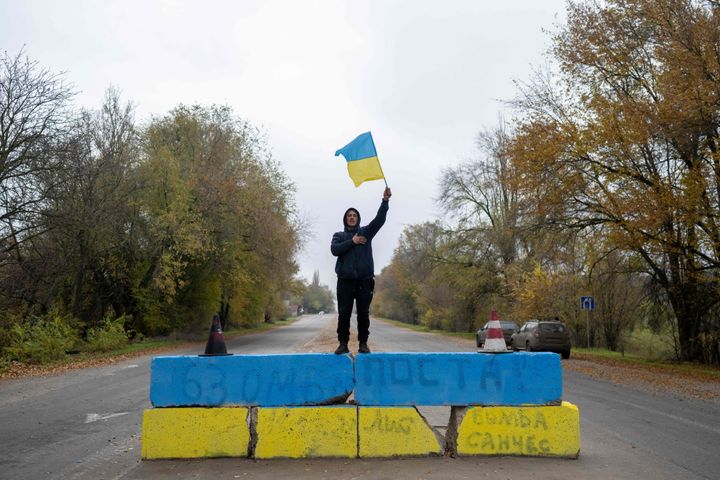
point(355, 271)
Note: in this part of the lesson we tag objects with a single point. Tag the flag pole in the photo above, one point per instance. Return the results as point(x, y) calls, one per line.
point(383, 174)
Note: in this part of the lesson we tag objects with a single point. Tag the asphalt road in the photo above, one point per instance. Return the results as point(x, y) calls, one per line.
point(87, 424)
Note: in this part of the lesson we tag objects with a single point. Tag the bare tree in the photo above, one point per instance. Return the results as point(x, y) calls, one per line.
point(480, 197)
point(33, 105)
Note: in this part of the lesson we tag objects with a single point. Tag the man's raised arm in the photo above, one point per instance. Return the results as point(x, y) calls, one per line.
point(379, 219)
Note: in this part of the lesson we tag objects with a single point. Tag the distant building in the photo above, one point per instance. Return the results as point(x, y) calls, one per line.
point(294, 309)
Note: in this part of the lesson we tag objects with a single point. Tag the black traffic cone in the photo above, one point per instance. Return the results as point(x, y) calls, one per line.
point(216, 342)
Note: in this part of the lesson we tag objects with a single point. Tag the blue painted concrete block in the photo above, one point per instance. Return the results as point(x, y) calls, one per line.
point(458, 379)
point(248, 380)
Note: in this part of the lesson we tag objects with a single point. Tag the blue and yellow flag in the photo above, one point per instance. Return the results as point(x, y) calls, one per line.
point(362, 160)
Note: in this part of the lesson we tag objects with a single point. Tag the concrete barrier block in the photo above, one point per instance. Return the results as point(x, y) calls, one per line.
point(519, 378)
point(396, 431)
point(306, 432)
point(195, 432)
point(249, 380)
point(536, 431)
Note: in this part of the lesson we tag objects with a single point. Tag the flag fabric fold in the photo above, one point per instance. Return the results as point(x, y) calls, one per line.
point(362, 160)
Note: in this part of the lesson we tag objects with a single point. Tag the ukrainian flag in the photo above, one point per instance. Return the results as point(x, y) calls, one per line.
point(362, 160)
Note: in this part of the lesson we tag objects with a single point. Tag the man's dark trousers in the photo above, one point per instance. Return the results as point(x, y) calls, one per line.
point(360, 291)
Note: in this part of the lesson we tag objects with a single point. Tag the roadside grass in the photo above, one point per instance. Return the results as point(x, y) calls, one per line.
point(260, 328)
point(423, 328)
point(82, 359)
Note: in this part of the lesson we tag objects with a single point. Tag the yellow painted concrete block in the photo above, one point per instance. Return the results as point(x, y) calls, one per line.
point(528, 431)
point(195, 432)
point(306, 432)
point(395, 431)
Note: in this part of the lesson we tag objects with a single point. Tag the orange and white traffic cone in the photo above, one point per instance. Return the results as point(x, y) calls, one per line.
point(494, 340)
point(216, 342)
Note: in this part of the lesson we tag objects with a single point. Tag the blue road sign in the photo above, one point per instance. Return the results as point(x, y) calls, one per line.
point(587, 303)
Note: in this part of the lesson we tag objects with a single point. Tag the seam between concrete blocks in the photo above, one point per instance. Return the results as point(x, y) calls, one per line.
point(357, 412)
point(252, 420)
point(438, 437)
point(457, 414)
point(357, 429)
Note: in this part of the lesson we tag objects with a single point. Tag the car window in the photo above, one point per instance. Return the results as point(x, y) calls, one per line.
point(552, 327)
point(508, 325)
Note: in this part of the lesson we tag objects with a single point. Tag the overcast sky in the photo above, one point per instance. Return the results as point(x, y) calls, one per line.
point(424, 76)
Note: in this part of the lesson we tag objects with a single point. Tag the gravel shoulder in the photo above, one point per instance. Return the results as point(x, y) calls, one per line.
point(18, 370)
point(682, 383)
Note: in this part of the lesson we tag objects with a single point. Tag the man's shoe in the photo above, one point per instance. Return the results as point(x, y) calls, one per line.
point(364, 348)
point(342, 348)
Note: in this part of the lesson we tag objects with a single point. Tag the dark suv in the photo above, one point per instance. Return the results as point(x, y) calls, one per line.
point(547, 336)
point(508, 328)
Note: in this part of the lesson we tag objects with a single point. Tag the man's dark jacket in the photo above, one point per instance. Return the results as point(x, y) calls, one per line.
point(355, 262)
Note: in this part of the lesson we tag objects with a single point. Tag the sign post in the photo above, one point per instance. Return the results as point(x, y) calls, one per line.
point(587, 304)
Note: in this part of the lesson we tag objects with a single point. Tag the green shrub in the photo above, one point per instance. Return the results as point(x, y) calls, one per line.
point(650, 345)
point(4, 364)
point(152, 316)
point(6, 323)
point(110, 335)
point(42, 340)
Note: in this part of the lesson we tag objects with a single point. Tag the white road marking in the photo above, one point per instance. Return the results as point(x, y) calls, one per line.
point(95, 417)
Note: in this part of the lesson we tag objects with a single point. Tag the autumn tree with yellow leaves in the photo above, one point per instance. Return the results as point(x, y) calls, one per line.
point(605, 182)
point(624, 141)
